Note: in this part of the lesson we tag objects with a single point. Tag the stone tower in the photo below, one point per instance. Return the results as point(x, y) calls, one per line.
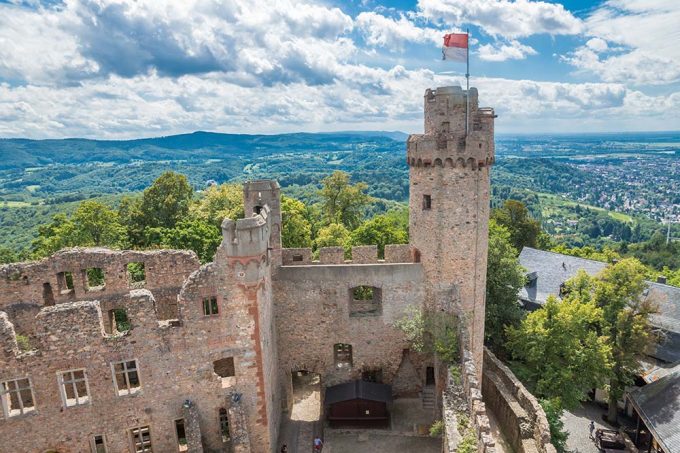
point(256, 195)
point(449, 204)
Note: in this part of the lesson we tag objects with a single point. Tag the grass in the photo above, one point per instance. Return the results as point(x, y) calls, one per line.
point(14, 204)
point(549, 201)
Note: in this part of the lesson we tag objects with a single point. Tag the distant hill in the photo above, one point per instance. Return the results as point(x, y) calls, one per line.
point(24, 153)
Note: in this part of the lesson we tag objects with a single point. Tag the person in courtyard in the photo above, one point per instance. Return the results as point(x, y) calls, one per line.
point(318, 443)
point(592, 428)
point(284, 449)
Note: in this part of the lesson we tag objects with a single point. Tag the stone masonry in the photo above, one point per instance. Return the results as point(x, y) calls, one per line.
point(207, 360)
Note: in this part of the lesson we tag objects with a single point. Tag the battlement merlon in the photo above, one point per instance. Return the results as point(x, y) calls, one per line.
point(247, 237)
point(444, 142)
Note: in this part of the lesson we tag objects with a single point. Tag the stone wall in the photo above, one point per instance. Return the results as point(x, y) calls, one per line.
point(27, 287)
point(472, 394)
point(518, 412)
point(312, 306)
point(174, 364)
point(364, 254)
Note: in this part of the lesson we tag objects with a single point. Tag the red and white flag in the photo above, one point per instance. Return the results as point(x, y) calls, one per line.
point(455, 47)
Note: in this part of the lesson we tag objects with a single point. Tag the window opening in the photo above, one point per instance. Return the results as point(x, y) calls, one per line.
point(136, 274)
point(16, 396)
point(141, 439)
point(98, 444)
point(224, 425)
point(65, 280)
point(343, 355)
point(181, 435)
point(427, 202)
point(74, 388)
point(126, 377)
point(95, 279)
point(210, 306)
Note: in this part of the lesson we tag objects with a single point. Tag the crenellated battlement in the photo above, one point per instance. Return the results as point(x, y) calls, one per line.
point(444, 143)
point(249, 236)
point(363, 254)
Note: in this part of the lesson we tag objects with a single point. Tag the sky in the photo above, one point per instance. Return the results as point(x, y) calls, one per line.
point(121, 69)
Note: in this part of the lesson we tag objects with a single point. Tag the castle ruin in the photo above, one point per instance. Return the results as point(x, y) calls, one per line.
point(158, 343)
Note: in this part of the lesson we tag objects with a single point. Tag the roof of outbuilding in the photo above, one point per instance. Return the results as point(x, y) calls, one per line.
point(658, 404)
point(552, 269)
point(358, 390)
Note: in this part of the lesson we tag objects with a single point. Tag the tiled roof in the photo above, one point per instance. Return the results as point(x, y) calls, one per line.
point(658, 404)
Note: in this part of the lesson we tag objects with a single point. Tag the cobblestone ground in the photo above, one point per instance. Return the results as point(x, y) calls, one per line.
point(576, 423)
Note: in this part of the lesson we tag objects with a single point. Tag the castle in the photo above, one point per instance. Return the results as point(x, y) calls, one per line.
point(210, 350)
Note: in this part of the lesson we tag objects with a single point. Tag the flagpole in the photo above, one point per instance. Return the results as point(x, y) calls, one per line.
point(467, 82)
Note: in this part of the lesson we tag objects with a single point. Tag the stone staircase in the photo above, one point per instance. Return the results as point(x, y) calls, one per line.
point(428, 397)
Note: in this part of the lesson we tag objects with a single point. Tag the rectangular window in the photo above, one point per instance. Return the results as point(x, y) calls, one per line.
point(95, 279)
point(65, 281)
point(343, 355)
point(98, 444)
point(126, 377)
point(224, 425)
point(181, 435)
point(210, 306)
point(141, 439)
point(427, 202)
point(297, 257)
point(74, 388)
point(118, 321)
point(136, 275)
point(17, 397)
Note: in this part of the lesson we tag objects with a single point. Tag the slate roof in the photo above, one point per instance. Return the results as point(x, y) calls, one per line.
point(358, 390)
point(658, 404)
point(552, 269)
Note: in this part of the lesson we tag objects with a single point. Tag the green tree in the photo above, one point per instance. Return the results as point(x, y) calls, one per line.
point(296, 230)
point(95, 224)
point(504, 278)
point(92, 224)
point(560, 347)
point(524, 230)
point(166, 201)
point(380, 230)
point(193, 234)
point(618, 293)
point(8, 256)
point(218, 203)
point(343, 202)
point(553, 412)
point(332, 235)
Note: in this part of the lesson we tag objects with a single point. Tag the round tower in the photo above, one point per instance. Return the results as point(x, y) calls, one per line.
point(449, 204)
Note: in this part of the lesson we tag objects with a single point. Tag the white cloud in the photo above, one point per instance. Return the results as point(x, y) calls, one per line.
point(647, 34)
point(513, 50)
point(382, 31)
point(510, 19)
point(254, 41)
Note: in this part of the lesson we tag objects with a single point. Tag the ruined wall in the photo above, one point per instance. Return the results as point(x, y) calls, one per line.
point(449, 201)
point(518, 412)
point(240, 276)
point(174, 365)
point(363, 254)
point(313, 314)
point(27, 287)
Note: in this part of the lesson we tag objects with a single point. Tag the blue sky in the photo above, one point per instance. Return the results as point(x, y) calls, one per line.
point(131, 68)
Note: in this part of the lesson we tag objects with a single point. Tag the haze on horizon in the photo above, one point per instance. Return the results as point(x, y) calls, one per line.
point(119, 69)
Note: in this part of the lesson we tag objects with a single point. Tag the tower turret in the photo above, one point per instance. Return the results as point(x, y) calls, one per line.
point(449, 203)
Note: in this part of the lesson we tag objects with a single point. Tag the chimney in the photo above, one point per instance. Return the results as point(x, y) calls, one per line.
point(661, 279)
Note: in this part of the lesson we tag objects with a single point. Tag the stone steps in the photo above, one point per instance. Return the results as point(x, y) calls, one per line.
point(428, 397)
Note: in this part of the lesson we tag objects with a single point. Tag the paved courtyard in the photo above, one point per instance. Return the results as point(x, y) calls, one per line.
point(576, 422)
point(374, 441)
